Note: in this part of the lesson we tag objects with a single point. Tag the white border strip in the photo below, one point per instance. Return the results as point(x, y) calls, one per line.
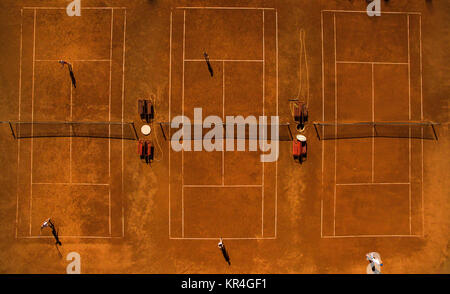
point(230, 8)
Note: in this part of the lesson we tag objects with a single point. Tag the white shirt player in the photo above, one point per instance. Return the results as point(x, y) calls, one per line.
point(375, 263)
point(46, 223)
point(374, 257)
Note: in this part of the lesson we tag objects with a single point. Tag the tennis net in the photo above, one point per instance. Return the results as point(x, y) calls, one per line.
point(109, 130)
point(353, 130)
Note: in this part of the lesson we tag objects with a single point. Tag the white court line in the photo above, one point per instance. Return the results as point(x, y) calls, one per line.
point(363, 11)
point(76, 237)
point(321, 218)
point(182, 110)
point(276, 86)
point(370, 236)
point(74, 60)
point(372, 62)
point(223, 118)
point(63, 8)
point(32, 117)
point(236, 8)
point(109, 119)
point(70, 139)
point(409, 117)
point(364, 184)
point(18, 141)
point(323, 117)
point(170, 99)
point(335, 128)
point(222, 186)
point(373, 120)
point(224, 238)
point(225, 60)
point(123, 102)
point(421, 117)
point(263, 110)
point(73, 184)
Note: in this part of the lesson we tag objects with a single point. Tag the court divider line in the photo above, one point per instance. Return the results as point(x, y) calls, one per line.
point(18, 141)
point(224, 238)
point(74, 60)
point(170, 99)
point(373, 121)
point(109, 119)
point(374, 183)
point(276, 106)
point(371, 62)
point(223, 119)
point(63, 8)
point(72, 237)
point(370, 236)
point(323, 119)
point(123, 105)
point(231, 8)
point(263, 111)
point(32, 118)
point(74, 184)
point(364, 11)
point(421, 117)
point(182, 110)
point(409, 117)
point(335, 128)
point(224, 60)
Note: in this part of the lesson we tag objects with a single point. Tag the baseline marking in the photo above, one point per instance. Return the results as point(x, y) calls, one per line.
point(236, 8)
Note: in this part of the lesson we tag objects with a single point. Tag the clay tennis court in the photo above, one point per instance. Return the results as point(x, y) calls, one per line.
point(364, 187)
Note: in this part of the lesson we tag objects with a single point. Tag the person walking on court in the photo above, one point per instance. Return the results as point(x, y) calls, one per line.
point(48, 223)
point(224, 251)
point(72, 76)
point(211, 72)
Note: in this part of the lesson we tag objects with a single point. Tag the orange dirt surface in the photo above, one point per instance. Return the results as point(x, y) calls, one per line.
point(351, 196)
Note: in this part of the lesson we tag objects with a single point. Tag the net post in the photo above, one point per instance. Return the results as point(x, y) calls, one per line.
point(12, 130)
point(134, 129)
point(290, 133)
point(317, 132)
point(162, 131)
point(434, 131)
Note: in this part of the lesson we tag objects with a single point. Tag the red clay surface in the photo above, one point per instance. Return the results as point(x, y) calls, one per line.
point(349, 198)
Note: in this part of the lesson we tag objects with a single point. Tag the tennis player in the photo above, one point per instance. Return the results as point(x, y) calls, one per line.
point(375, 262)
point(224, 251)
point(48, 223)
point(72, 76)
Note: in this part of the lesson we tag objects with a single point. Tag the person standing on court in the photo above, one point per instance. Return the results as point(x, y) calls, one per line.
point(224, 251)
point(72, 76)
